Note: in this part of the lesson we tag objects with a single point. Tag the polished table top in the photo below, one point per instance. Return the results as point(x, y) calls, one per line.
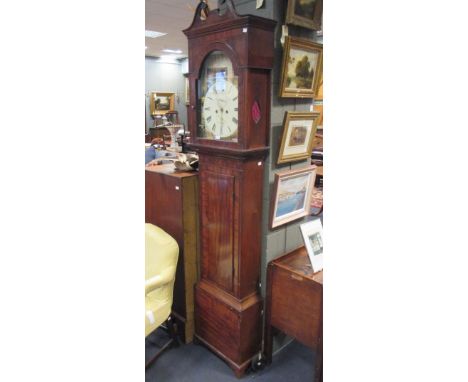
point(169, 169)
point(298, 262)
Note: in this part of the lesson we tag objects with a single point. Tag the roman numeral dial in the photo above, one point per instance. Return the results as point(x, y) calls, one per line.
point(220, 110)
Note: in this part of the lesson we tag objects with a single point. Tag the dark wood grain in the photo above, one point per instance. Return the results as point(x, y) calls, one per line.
point(229, 326)
point(252, 56)
point(171, 203)
point(217, 194)
point(228, 303)
point(294, 303)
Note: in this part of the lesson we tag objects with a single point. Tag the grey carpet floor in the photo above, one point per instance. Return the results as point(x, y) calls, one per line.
point(195, 363)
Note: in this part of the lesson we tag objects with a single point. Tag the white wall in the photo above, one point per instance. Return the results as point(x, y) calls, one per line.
point(165, 77)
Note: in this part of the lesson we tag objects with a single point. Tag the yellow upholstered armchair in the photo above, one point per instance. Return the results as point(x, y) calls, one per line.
point(161, 254)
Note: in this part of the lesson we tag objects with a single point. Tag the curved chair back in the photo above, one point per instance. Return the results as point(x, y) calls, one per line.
point(161, 254)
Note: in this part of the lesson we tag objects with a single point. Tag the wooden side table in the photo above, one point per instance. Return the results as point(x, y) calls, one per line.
point(294, 304)
point(171, 203)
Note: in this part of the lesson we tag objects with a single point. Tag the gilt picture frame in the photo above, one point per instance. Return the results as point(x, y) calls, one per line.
point(313, 240)
point(187, 91)
point(161, 102)
point(301, 69)
point(319, 94)
point(299, 129)
point(292, 192)
point(305, 13)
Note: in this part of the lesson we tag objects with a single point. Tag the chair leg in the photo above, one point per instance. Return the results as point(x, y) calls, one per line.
point(166, 345)
point(172, 327)
point(174, 340)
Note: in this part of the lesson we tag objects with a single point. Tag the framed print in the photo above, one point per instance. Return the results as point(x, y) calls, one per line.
point(312, 235)
point(187, 91)
point(316, 206)
point(318, 108)
point(161, 103)
point(299, 130)
point(305, 13)
point(292, 195)
point(319, 95)
point(302, 67)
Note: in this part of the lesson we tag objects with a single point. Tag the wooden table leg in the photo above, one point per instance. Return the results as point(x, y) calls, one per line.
point(319, 356)
point(268, 335)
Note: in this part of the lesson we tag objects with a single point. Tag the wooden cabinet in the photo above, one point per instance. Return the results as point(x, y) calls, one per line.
point(295, 303)
point(171, 202)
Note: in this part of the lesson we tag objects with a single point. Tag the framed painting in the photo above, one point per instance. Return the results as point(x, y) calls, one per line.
point(299, 129)
point(302, 67)
point(319, 95)
point(318, 108)
point(161, 103)
point(292, 195)
point(313, 240)
point(305, 13)
point(316, 207)
point(187, 91)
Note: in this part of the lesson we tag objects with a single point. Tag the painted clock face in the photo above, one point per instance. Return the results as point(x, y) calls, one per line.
point(218, 99)
point(221, 111)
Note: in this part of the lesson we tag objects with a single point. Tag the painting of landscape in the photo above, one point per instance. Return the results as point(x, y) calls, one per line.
point(291, 194)
point(302, 65)
point(304, 8)
point(298, 136)
point(162, 102)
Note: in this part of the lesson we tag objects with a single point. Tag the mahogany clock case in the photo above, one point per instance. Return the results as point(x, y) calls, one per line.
point(243, 39)
point(228, 303)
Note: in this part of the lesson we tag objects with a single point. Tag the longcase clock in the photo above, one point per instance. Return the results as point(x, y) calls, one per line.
point(230, 60)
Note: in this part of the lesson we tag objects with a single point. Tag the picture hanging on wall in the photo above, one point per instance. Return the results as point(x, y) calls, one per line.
point(305, 13)
point(299, 129)
point(187, 91)
point(292, 195)
point(319, 95)
point(313, 240)
point(302, 68)
point(161, 103)
point(318, 108)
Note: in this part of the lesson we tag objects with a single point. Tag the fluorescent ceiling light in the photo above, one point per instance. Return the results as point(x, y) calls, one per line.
point(167, 58)
point(154, 34)
point(177, 51)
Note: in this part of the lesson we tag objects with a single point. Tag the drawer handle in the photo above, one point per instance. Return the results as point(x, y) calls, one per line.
point(295, 277)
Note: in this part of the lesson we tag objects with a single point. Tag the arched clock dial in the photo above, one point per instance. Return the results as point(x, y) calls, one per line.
point(220, 110)
point(217, 99)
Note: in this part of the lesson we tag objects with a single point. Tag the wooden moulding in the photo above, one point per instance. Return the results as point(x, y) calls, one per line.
point(231, 328)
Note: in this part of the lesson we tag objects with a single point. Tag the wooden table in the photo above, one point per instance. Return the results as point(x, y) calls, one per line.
point(294, 303)
point(171, 203)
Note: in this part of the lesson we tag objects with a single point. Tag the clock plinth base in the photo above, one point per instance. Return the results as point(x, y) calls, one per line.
point(231, 328)
point(239, 370)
